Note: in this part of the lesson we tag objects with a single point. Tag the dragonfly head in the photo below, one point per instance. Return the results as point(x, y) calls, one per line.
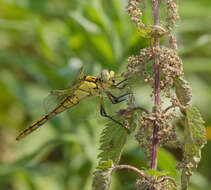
point(108, 75)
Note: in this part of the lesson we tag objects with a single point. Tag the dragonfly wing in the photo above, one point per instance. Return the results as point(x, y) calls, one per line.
point(57, 96)
point(79, 76)
point(54, 99)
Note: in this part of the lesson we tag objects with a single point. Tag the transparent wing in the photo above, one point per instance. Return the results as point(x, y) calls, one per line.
point(54, 99)
point(79, 76)
point(57, 96)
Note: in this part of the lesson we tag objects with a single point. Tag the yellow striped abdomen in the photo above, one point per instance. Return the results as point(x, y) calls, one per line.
point(69, 102)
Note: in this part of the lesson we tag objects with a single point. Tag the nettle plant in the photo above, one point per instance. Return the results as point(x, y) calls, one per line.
point(162, 68)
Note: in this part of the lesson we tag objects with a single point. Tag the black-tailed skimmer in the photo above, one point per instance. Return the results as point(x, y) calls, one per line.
point(83, 87)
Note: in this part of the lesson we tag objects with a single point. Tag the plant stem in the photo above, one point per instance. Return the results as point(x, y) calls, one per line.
point(156, 89)
point(139, 172)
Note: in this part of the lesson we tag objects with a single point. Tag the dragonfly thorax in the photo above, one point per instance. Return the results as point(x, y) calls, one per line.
point(107, 75)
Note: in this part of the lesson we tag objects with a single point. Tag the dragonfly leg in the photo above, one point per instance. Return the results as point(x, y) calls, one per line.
point(104, 114)
point(123, 86)
point(116, 100)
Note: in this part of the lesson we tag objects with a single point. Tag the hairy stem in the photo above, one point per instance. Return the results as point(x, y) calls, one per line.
point(174, 106)
point(156, 89)
point(139, 172)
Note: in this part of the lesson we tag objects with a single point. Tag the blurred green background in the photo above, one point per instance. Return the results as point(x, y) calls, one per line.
point(42, 45)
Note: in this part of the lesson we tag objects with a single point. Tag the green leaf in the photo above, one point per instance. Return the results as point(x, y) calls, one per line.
point(194, 140)
point(167, 162)
point(104, 165)
point(102, 177)
point(114, 136)
point(183, 90)
point(152, 31)
point(112, 140)
point(158, 174)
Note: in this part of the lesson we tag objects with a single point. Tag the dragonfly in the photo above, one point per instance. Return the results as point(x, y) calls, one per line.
point(82, 88)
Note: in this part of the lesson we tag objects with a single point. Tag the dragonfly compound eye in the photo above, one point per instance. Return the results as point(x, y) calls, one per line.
point(105, 75)
point(112, 74)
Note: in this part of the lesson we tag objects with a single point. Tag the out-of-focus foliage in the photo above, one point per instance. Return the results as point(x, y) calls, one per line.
point(42, 45)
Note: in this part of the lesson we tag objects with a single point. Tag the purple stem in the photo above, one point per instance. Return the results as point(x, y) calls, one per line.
point(139, 172)
point(156, 89)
